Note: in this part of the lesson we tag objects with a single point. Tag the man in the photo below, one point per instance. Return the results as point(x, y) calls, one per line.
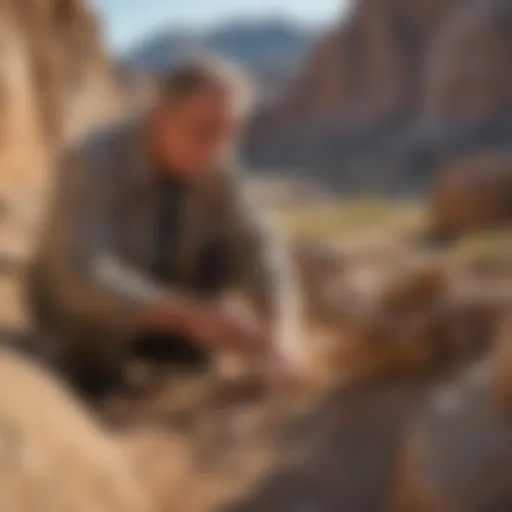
point(149, 232)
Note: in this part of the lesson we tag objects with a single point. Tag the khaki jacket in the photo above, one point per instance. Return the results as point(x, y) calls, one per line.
point(90, 274)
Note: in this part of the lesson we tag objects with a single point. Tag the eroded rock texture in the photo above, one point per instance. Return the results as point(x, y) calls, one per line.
point(53, 453)
point(55, 82)
point(473, 193)
point(391, 91)
point(459, 454)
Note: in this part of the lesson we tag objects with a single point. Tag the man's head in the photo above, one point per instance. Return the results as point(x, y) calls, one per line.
point(196, 118)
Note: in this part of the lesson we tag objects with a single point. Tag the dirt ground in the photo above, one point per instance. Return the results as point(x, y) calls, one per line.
point(203, 445)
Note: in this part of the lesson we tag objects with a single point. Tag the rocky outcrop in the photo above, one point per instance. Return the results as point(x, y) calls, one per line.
point(473, 193)
point(358, 70)
point(464, 429)
point(389, 91)
point(368, 67)
point(55, 82)
point(467, 76)
point(53, 453)
point(369, 316)
point(70, 72)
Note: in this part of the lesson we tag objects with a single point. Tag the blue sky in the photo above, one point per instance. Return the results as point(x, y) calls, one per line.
point(126, 21)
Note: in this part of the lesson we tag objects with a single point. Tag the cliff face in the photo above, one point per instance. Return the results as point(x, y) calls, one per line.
point(368, 66)
point(467, 71)
point(387, 84)
point(55, 82)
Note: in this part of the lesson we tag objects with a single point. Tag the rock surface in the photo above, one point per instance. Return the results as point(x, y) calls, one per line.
point(389, 91)
point(53, 454)
point(459, 456)
point(473, 193)
point(55, 82)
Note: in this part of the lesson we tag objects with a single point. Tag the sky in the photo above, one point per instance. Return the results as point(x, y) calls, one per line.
point(127, 21)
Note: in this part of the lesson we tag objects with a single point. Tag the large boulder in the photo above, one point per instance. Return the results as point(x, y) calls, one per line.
point(459, 454)
point(53, 454)
point(56, 82)
point(473, 193)
point(384, 318)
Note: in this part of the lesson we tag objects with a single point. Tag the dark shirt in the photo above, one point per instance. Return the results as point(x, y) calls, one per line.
point(213, 270)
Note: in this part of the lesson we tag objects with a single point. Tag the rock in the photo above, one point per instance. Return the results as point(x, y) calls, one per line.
point(367, 69)
point(473, 193)
point(341, 453)
point(467, 73)
point(388, 93)
point(415, 288)
point(385, 319)
point(501, 365)
point(53, 453)
point(56, 82)
point(73, 81)
point(359, 69)
point(459, 453)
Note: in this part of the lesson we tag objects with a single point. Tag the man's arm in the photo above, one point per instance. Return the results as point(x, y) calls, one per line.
point(95, 287)
point(100, 292)
point(267, 278)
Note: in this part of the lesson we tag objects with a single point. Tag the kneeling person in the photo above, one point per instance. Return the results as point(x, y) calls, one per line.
point(149, 230)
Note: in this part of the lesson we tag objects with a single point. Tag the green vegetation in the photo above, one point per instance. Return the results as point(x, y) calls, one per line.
point(484, 247)
point(352, 217)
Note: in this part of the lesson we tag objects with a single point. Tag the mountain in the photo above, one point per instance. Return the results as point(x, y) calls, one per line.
point(393, 90)
point(270, 49)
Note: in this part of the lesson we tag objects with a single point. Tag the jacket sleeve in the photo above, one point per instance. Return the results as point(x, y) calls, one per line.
point(267, 275)
point(95, 289)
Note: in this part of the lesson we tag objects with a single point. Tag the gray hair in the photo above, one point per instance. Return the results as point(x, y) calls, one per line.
point(195, 75)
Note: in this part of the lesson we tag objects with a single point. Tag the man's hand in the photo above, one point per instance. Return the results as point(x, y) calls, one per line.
point(228, 328)
point(263, 348)
point(221, 328)
point(224, 329)
point(168, 315)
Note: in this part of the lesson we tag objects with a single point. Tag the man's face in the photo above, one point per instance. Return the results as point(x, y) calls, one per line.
point(194, 135)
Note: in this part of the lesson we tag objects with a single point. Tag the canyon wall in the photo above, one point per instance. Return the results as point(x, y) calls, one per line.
point(390, 91)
